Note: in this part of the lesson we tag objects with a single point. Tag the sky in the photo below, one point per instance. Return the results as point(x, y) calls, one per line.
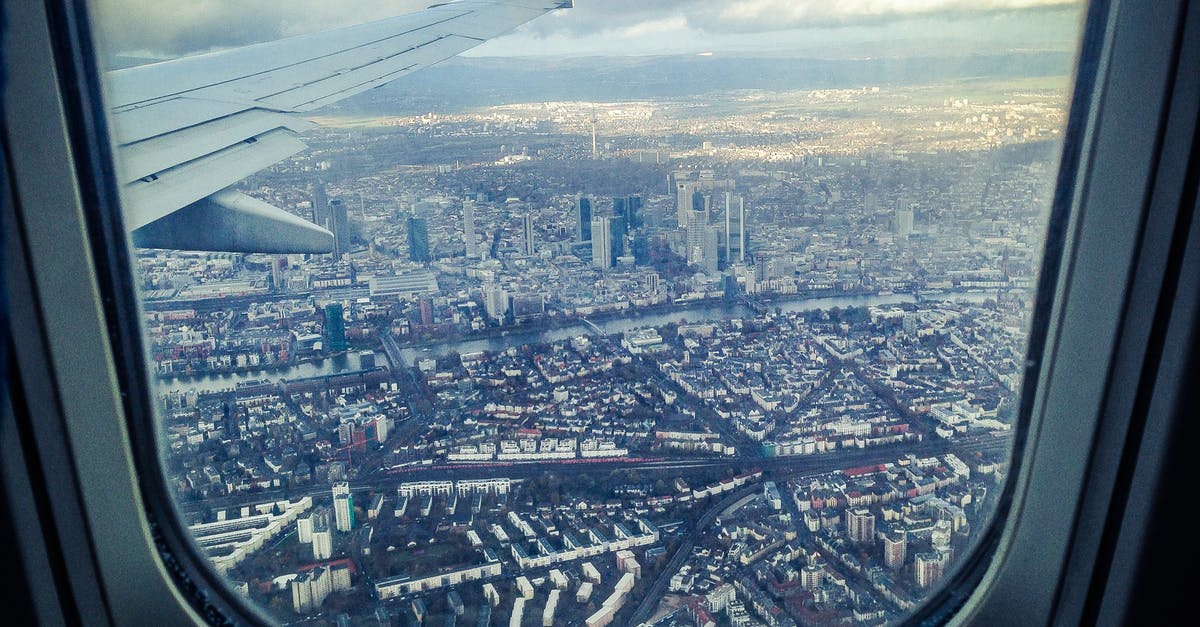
point(172, 28)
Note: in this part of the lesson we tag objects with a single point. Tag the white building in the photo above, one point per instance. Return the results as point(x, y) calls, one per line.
point(343, 507)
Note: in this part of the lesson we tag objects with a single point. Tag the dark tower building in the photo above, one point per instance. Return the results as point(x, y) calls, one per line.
point(735, 229)
point(320, 206)
point(340, 225)
point(335, 328)
point(641, 249)
point(426, 311)
point(616, 237)
point(633, 209)
point(418, 240)
point(527, 228)
point(583, 223)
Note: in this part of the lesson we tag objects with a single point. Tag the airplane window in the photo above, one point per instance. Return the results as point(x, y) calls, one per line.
point(614, 313)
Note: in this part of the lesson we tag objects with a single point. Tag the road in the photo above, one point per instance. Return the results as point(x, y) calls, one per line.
point(654, 595)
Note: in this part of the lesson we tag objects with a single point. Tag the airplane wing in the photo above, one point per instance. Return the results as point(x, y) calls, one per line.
point(188, 129)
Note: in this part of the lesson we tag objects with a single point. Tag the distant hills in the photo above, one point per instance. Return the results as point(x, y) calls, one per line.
point(470, 82)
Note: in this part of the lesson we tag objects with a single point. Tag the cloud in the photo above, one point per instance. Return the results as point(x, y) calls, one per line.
point(170, 28)
point(774, 15)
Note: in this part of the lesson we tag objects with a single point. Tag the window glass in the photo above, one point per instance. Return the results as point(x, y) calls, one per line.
point(697, 312)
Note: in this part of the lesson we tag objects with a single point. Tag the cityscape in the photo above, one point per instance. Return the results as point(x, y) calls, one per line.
point(735, 357)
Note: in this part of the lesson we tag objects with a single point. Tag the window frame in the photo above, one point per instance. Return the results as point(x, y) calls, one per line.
point(86, 396)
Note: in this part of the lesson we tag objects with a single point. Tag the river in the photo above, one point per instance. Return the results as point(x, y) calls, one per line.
point(695, 313)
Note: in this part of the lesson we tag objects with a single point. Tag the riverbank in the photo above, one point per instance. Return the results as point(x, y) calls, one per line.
point(568, 328)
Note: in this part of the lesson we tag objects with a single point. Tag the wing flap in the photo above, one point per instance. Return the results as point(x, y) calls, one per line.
point(151, 198)
point(156, 154)
point(167, 116)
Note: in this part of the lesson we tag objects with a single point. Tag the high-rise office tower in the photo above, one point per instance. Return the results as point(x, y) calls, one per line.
point(735, 229)
point(277, 266)
point(339, 223)
point(602, 242)
point(904, 222)
point(696, 223)
point(469, 229)
point(683, 202)
point(343, 507)
point(630, 208)
point(527, 228)
point(616, 238)
point(418, 240)
point(633, 208)
point(641, 249)
point(320, 206)
point(583, 220)
point(711, 252)
point(495, 301)
point(335, 328)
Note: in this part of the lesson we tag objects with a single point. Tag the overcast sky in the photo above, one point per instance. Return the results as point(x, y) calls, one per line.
point(170, 28)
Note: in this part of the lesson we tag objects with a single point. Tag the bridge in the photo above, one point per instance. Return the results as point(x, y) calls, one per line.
point(592, 325)
point(754, 304)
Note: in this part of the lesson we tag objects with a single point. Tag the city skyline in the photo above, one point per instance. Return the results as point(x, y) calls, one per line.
point(711, 354)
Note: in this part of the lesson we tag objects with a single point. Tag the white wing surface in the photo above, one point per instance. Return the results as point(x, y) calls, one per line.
point(188, 129)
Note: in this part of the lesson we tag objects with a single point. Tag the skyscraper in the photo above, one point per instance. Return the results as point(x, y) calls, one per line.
point(633, 208)
point(418, 240)
point(735, 229)
point(527, 228)
point(641, 249)
point(320, 206)
point(469, 229)
point(495, 301)
point(602, 242)
point(710, 255)
point(616, 238)
point(904, 222)
point(339, 224)
point(630, 208)
point(697, 222)
point(683, 202)
point(343, 506)
point(335, 328)
point(583, 223)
